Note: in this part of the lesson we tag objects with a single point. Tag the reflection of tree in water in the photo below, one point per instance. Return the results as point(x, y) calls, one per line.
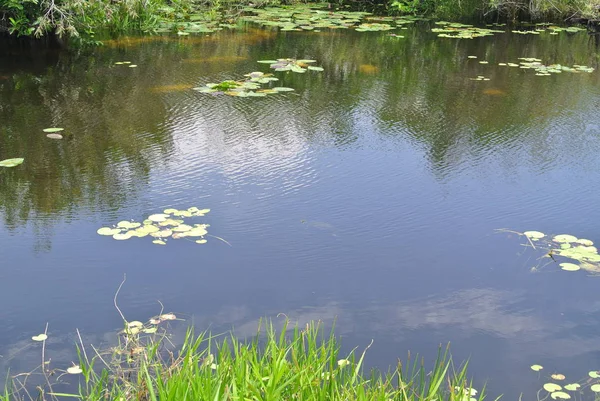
point(118, 120)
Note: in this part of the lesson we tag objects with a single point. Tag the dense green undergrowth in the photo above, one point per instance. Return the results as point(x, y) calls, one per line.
point(286, 364)
point(85, 18)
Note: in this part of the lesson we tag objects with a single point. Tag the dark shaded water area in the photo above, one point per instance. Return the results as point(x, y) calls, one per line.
point(370, 196)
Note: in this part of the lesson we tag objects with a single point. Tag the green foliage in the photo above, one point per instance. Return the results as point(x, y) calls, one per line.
point(287, 364)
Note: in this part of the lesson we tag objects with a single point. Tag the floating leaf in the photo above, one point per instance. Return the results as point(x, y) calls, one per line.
point(40, 337)
point(560, 395)
point(201, 241)
point(54, 136)
point(158, 217)
point(169, 211)
point(122, 236)
point(558, 376)
point(572, 386)
point(162, 234)
point(159, 242)
point(564, 238)
point(150, 330)
point(108, 231)
point(585, 242)
point(11, 162)
point(74, 370)
point(570, 267)
point(551, 387)
point(283, 89)
point(312, 68)
point(52, 130)
point(168, 316)
point(536, 368)
point(534, 234)
point(182, 228)
point(267, 61)
point(594, 374)
point(595, 388)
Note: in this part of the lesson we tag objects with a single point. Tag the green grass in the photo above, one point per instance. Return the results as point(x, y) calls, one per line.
point(287, 364)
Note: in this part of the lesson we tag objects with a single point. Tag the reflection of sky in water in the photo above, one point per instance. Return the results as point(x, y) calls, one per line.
point(369, 202)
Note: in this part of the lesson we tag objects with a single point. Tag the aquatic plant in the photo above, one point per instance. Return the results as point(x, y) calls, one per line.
point(462, 31)
point(569, 252)
point(292, 363)
point(11, 162)
point(575, 389)
point(249, 87)
point(161, 227)
point(291, 64)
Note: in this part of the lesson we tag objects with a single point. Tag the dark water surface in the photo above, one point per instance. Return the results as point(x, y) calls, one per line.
point(369, 195)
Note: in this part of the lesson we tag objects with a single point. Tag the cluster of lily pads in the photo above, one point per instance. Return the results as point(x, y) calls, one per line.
point(161, 226)
point(194, 23)
point(127, 63)
point(462, 31)
point(577, 253)
point(561, 391)
point(291, 64)
point(532, 63)
point(546, 27)
point(249, 87)
point(12, 162)
point(310, 18)
point(53, 133)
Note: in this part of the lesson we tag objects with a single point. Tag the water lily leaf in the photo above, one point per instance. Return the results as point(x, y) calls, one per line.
point(162, 234)
point(283, 89)
point(534, 234)
point(267, 61)
point(108, 231)
point(74, 370)
point(150, 330)
point(149, 229)
point(127, 224)
point(182, 228)
point(201, 241)
point(536, 368)
point(133, 66)
point(159, 242)
point(54, 136)
point(560, 395)
point(51, 130)
point(471, 56)
point(564, 238)
point(40, 337)
point(585, 242)
point(298, 69)
point(135, 323)
point(595, 388)
point(551, 387)
point(570, 267)
point(168, 316)
point(169, 211)
point(558, 376)
point(594, 374)
point(572, 386)
point(122, 236)
point(11, 162)
point(307, 61)
point(158, 217)
point(313, 68)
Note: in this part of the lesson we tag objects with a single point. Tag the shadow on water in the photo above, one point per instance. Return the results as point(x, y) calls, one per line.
point(402, 165)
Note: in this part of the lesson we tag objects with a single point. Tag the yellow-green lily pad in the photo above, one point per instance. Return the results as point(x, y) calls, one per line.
point(552, 387)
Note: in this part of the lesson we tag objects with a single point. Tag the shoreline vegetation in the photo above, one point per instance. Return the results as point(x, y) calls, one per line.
point(292, 363)
point(84, 20)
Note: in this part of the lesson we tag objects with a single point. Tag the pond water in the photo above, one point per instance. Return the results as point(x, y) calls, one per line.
point(369, 196)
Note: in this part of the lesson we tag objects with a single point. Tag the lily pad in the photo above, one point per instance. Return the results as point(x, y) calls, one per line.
point(560, 395)
point(564, 238)
point(122, 236)
point(158, 217)
point(159, 242)
point(552, 387)
point(570, 267)
point(558, 376)
point(11, 162)
point(595, 388)
point(201, 241)
point(572, 386)
point(536, 368)
point(108, 231)
point(74, 370)
point(52, 130)
point(40, 337)
point(534, 234)
point(594, 374)
point(54, 136)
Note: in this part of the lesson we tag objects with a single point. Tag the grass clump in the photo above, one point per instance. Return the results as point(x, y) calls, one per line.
point(287, 364)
